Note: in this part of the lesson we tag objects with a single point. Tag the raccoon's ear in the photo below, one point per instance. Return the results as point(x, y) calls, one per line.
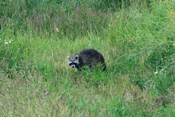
point(76, 57)
point(68, 57)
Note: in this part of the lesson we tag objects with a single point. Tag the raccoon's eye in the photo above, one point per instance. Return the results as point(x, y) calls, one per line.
point(76, 57)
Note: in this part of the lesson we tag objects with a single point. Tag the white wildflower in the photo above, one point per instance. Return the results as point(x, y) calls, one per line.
point(6, 42)
point(57, 29)
point(159, 71)
point(10, 41)
point(156, 72)
point(162, 69)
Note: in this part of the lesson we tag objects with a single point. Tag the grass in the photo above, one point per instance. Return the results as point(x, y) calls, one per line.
point(136, 38)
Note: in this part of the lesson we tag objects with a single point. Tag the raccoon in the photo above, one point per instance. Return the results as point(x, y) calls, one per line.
point(87, 57)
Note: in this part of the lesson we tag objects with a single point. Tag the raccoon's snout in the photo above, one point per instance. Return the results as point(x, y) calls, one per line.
point(73, 66)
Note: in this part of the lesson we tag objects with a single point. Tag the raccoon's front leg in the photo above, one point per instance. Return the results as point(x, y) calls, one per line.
point(91, 67)
point(79, 68)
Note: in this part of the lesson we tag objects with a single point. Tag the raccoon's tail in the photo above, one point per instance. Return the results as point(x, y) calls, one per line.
point(103, 65)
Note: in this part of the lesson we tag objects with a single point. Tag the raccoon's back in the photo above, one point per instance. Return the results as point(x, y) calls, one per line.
point(90, 56)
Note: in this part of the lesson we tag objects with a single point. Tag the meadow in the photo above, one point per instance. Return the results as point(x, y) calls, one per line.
point(136, 37)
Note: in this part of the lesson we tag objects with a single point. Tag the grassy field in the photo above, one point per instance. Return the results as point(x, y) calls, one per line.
point(137, 39)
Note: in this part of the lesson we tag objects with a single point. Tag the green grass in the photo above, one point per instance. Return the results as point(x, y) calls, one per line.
point(136, 38)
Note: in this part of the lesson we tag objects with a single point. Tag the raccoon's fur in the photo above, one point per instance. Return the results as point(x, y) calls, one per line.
point(87, 57)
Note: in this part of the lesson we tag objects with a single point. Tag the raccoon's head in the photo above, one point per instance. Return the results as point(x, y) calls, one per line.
point(73, 61)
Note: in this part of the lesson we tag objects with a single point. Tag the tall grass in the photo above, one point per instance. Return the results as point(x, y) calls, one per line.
point(69, 18)
point(137, 39)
